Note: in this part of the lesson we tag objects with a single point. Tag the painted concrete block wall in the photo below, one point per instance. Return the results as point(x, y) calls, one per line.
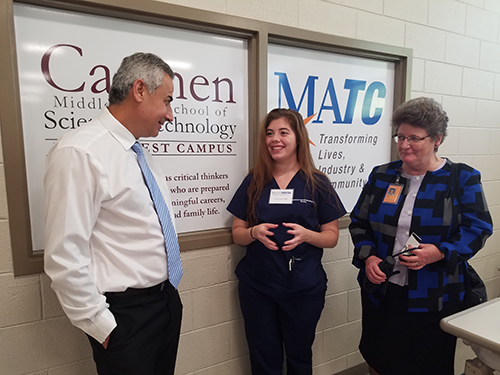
point(456, 46)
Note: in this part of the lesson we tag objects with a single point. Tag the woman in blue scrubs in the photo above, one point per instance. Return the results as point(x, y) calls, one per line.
point(285, 212)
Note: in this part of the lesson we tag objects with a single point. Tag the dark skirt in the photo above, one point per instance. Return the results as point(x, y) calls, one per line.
point(396, 342)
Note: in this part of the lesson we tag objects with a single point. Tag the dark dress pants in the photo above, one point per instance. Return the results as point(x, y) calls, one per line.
point(146, 337)
point(274, 324)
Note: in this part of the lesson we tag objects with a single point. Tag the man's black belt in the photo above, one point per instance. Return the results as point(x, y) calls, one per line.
point(131, 292)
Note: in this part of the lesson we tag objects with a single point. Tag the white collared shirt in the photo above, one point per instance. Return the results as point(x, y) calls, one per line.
point(102, 232)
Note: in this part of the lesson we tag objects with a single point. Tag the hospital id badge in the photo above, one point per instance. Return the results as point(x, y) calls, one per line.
point(393, 193)
point(281, 196)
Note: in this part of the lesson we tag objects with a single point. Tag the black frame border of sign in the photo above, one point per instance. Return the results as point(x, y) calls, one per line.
point(257, 35)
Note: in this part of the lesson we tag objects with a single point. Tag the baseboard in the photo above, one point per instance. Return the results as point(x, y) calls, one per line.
point(361, 369)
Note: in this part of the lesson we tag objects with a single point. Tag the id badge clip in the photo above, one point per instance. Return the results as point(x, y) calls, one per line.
point(393, 193)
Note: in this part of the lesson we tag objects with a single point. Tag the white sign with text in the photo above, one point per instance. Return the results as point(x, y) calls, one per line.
point(346, 103)
point(66, 62)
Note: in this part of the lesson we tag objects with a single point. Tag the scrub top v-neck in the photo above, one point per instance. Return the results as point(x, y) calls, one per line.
point(284, 273)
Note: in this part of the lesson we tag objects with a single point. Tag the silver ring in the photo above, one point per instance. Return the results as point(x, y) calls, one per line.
point(417, 264)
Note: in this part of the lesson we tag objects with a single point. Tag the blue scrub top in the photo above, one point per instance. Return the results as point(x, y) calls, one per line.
point(268, 270)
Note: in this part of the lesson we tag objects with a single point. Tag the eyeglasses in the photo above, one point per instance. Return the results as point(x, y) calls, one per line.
point(410, 139)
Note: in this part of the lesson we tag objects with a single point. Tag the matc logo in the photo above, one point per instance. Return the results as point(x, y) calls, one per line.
point(370, 113)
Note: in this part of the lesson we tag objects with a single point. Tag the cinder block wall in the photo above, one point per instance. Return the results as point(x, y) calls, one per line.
point(456, 46)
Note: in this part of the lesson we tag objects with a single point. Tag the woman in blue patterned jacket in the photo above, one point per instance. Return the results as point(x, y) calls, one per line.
point(402, 306)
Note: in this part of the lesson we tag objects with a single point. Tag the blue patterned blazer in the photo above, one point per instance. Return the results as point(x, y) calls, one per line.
point(459, 232)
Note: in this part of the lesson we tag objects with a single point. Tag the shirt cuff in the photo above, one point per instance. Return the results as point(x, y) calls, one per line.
point(102, 326)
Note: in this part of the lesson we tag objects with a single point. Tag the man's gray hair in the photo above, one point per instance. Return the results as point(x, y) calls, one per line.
point(145, 66)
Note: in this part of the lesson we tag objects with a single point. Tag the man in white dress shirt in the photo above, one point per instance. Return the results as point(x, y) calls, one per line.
point(105, 249)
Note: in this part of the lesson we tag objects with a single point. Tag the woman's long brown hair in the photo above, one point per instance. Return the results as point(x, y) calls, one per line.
point(263, 168)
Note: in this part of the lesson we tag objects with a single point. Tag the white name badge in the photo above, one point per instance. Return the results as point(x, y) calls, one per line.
point(281, 196)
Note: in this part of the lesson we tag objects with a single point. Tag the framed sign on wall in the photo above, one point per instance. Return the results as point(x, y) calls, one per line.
point(65, 71)
point(346, 103)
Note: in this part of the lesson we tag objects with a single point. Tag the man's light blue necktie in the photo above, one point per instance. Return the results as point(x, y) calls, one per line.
point(171, 243)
